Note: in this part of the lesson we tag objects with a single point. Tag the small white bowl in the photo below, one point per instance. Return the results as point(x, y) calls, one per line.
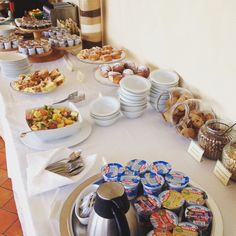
point(105, 106)
point(105, 117)
point(134, 114)
point(58, 133)
point(133, 109)
point(89, 189)
point(5, 30)
point(164, 77)
point(135, 84)
point(106, 122)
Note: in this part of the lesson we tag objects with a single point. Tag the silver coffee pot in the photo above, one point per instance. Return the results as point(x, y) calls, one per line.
point(112, 214)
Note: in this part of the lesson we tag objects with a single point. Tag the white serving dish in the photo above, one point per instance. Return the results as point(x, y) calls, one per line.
point(164, 77)
point(105, 106)
point(133, 109)
point(133, 114)
point(5, 30)
point(135, 84)
point(59, 133)
point(106, 122)
point(89, 189)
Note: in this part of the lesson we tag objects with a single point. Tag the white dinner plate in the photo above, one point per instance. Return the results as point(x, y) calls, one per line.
point(3, 19)
point(32, 141)
point(103, 80)
point(98, 62)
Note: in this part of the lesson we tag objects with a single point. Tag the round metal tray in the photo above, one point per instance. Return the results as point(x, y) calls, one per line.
point(70, 226)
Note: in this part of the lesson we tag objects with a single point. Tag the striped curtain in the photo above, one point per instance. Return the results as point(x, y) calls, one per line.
point(91, 23)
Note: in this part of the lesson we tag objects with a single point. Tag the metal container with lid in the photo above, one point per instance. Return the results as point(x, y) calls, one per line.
point(213, 136)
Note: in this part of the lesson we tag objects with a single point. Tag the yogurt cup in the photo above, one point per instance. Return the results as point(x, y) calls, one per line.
point(159, 233)
point(130, 183)
point(152, 183)
point(200, 216)
point(160, 167)
point(145, 206)
point(194, 196)
point(31, 51)
point(112, 172)
point(185, 229)
point(7, 44)
point(176, 180)
point(171, 200)
point(39, 50)
point(164, 220)
point(139, 167)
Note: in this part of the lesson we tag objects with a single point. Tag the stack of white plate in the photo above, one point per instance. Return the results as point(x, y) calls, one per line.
point(14, 64)
point(162, 81)
point(105, 111)
point(133, 93)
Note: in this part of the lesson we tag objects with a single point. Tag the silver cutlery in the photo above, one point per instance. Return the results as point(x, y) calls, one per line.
point(74, 97)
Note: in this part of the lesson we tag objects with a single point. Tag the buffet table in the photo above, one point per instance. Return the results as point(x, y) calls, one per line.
point(147, 137)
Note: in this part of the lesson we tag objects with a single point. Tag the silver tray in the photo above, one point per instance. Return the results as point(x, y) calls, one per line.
point(70, 226)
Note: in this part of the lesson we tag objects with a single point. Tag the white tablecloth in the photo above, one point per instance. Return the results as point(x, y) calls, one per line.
point(147, 137)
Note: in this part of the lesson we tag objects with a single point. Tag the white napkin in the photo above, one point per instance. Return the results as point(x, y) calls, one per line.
point(40, 180)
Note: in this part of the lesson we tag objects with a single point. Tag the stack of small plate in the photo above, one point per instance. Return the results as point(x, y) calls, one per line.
point(133, 93)
point(162, 80)
point(14, 64)
point(105, 111)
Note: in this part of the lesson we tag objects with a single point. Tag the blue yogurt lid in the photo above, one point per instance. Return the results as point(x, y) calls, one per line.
point(151, 180)
point(138, 166)
point(177, 178)
point(160, 167)
point(112, 170)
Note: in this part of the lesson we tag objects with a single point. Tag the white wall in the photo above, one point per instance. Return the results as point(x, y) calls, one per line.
point(196, 38)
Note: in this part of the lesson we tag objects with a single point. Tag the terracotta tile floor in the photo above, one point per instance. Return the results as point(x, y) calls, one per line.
point(9, 222)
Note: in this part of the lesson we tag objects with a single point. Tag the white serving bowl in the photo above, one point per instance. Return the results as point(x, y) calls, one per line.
point(5, 30)
point(164, 77)
point(106, 122)
point(105, 117)
point(135, 84)
point(130, 98)
point(133, 114)
point(89, 189)
point(58, 133)
point(133, 109)
point(105, 106)
point(128, 93)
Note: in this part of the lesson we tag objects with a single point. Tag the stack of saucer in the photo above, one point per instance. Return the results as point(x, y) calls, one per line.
point(162, 80)
point(105, 111)
point(133, 93)
point(14, 64)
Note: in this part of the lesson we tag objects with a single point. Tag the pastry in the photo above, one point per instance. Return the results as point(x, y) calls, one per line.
point(118, 67)
point(114, 77)
point(106, 57)
point(188, 133)
point(131, 65)
point(127, 72)
point(104, 69)
point(93, 57)
point(116, 55)
point(143, 71)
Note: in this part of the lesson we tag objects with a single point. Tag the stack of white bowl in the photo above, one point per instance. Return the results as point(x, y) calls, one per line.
point(162, 81)
point(14, 64)
point(133, 93)
point(105, 111)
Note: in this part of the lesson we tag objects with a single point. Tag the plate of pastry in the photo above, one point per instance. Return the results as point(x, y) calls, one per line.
point(38, 82)
point(101, 55)
point(111, 74)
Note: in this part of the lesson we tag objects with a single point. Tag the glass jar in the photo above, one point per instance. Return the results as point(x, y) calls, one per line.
point(168, 99)
point(189, 116)
point(212, 138)
point(229, 158)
